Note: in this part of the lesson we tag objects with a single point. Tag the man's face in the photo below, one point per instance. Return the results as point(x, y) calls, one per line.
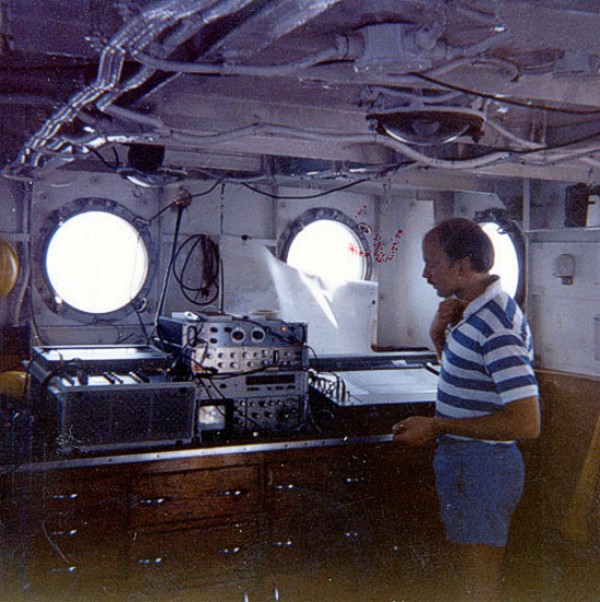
point(439, 271)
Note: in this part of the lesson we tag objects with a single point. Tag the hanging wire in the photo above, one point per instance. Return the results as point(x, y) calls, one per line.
point(176, 201)
point(198, 249)
point(165, 285)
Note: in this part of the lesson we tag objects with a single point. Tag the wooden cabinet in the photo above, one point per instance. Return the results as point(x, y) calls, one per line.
point(193, 495)
point(293, 523)
point(193, 528)
point(181, 558)
point(67, 528)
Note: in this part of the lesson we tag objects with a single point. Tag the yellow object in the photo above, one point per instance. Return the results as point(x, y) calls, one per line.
point(13, 383)
point(9, 268)
point(575, 526)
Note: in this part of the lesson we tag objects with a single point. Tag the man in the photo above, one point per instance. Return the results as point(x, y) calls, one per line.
point(487, 400)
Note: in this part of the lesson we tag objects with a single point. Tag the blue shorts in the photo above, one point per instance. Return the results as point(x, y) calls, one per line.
point(479, 486)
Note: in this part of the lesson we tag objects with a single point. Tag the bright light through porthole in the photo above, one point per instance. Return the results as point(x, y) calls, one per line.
point(329, 249)
point(96, 262)
point(506, 264)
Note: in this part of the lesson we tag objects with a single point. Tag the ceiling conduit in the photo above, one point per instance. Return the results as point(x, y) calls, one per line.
point(137, 34)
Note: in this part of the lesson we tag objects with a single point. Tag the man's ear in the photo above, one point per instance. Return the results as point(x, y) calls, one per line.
point(464, 266)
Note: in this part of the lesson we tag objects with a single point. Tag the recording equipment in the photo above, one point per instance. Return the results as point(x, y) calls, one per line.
point(115, 411)
point(224, 343)
point(70, 359)
point(272, 402)
point(258, 384)
point(251, 371)
point(98, 398)
point(275, 414)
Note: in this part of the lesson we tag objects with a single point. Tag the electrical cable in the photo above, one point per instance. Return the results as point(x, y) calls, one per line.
point(165, 286)
point(191, 196)
point(308, 196)
point(326, 55)
point(502, 99)
point(208, 275)
point(104, 161)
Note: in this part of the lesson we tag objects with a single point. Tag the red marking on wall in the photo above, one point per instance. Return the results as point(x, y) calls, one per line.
point(381, 254)
point(362, 211)
point(355, 250)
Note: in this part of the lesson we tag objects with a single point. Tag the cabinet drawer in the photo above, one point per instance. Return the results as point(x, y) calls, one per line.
point(184, 558)
point(316, 486)
point(50, 496)
point(74, 583)
point(194, 495)
point(325, 539)
point(77, 540)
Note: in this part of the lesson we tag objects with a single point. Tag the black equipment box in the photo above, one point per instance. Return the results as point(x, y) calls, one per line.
point(106, 414)
point(99, 358)
point(98, 398)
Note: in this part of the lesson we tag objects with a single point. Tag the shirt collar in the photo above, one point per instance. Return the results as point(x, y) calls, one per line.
point(490, 292)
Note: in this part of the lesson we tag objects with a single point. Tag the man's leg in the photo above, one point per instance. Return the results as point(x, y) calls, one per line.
point(482, 567)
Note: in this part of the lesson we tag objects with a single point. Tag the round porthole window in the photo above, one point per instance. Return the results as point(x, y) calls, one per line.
point(325, 242)
point(508, 251)
point(96, 259)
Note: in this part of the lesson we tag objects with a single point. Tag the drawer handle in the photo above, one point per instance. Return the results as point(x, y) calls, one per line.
point(230, 551)
point(283, 544)
point(287, 487)
point(66, 533)
point(63, 570)
point(150, 562)
point(65, 497)
point(151, 502)
point(354, 480)
point(232, 493)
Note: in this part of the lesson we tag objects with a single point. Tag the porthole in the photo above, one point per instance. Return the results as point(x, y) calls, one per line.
point(508, 250)
point(325, 242)
point(96, 259)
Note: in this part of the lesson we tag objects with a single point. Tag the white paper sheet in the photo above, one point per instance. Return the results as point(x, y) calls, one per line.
point(340, 314)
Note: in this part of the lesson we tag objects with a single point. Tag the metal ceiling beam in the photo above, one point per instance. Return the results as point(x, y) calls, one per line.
point(267, 25)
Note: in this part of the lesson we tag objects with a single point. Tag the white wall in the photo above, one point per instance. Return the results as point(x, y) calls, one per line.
point(407, 303)
point(565, 318)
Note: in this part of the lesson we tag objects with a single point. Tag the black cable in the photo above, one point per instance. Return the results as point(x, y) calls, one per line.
point(501, 99)
point(105, 162)
point(138, 313)
point(308, 196)
point(208, 276)
point(165, 286)
point(191, 196)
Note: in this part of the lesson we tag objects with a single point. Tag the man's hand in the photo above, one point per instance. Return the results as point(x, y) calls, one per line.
point(449, 312)
point(415, 431)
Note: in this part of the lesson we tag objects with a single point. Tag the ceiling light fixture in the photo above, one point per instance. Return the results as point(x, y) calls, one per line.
point(427, 126)
point(145, 167)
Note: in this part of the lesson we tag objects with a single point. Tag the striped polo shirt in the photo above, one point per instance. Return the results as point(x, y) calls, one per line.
point(487, 359)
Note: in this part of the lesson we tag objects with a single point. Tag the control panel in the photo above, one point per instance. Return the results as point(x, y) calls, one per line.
point(229, 344)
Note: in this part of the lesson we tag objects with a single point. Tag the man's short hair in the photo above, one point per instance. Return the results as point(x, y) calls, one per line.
point(460, 237)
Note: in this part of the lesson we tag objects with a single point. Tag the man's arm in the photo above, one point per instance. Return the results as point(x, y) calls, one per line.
point(518, 419)
point(449, 312)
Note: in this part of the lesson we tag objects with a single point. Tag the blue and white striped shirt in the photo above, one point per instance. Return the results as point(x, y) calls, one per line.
point(487, 360)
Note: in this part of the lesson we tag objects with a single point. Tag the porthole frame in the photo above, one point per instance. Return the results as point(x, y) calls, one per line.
point(514, 232)
point(40, 249)
point(316, 214)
